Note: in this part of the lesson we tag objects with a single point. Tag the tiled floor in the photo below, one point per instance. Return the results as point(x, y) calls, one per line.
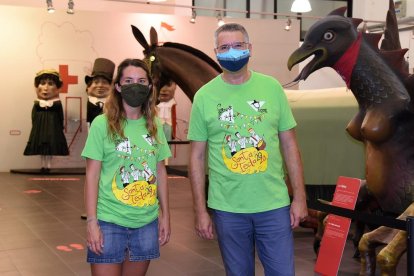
point(41, 232)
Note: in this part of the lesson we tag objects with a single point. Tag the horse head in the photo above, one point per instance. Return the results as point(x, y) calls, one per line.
point(189, 67)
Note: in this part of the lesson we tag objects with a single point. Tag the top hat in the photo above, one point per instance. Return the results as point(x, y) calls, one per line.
point(102, 68)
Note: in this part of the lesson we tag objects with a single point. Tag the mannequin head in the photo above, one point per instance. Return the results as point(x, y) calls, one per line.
point(167, 92)
point(98, 84)
point(47, 84)
point(98, 87)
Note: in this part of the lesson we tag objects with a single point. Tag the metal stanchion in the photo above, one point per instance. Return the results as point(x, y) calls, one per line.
point(410, 246)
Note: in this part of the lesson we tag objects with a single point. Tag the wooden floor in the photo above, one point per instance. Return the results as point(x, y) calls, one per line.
point(41, 232)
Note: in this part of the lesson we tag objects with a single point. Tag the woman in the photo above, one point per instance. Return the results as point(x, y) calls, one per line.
point(127, 219)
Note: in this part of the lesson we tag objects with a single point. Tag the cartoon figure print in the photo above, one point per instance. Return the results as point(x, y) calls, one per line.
point(138, 180)
point(232, 144)
point(244, 150)
point(135, 173)
point(147, 173)
point(257, 141)
point(241, 140)
point(124, 176)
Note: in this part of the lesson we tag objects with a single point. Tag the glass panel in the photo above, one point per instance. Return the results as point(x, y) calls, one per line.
point(320, 8)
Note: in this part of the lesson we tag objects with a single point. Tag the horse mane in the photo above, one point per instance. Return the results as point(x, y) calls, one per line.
point(194, 52)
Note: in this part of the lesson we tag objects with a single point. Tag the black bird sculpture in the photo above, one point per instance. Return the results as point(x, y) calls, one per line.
point(381, 83)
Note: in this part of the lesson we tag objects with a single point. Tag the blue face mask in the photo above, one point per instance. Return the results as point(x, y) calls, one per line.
point(233, 60)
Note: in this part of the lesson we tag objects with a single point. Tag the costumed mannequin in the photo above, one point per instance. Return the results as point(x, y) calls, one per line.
point(46, 137)
point(98, 86)
point(167, 108)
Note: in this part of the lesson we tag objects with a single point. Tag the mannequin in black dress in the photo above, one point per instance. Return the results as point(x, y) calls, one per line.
point(46, 137)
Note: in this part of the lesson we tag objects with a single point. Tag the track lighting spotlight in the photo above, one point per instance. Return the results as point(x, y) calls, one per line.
point(220, 21)
point(193, 16)
point(300, 6)
point(50, 8)
point(288, 23)
point(70, 9)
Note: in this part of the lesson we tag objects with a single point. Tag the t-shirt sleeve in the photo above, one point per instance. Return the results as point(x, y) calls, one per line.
point(197, 130)
point(287, 121)
point(164, 150)
point(94, 146)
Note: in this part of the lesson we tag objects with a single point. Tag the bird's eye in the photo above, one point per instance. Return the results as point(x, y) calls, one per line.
point(328, 36)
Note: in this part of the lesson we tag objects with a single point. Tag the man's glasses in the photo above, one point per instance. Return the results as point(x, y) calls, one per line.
point(235, 45)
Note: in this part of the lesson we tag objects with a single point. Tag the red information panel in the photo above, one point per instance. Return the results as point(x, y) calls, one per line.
point(336, 229)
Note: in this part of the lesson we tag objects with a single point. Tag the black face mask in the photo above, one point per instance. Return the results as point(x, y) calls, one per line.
point(135, 94)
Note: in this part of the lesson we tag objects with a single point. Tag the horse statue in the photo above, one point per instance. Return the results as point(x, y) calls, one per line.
point(188, 67)
point(380, 81)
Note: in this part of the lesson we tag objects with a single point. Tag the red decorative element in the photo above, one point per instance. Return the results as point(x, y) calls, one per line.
point(63, 248)
point(174, 126)
point(66, 78)
point(167, 26)
point(174, 121)
point(337, 228)
point(77, 246)
point(345, 65)
point(32, 191)
point(53, 179)
point(15, 132)
point(79, 129)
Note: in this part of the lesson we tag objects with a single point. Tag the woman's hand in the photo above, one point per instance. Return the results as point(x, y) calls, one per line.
point(164, 230)
point(94, 237)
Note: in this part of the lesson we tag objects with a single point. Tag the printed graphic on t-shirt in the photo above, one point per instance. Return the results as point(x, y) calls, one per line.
point(256, 105)
point(149, 139)
point(134, 183)
point(243, 149)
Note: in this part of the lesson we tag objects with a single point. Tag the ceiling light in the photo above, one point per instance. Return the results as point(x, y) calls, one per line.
point(220, 21)
point(193, 16)
point(70, 9)
point(50, 8)
point(300, 6)
point(288, 23)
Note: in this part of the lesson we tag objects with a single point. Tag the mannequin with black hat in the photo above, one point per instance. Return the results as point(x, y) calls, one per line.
point(98, 86)
point(46, 137)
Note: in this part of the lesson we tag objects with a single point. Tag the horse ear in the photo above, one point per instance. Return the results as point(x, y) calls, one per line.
point(153, 36)
point(140, 37)
point(338, 11)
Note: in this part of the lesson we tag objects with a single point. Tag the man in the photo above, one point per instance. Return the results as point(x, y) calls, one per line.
point(247, 195)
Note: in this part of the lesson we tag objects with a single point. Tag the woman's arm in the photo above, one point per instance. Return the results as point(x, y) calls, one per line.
point(164, 217)
point(94, 235)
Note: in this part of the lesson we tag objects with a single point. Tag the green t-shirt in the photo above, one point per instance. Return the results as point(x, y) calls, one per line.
point(127, 193)
point(240, 124)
